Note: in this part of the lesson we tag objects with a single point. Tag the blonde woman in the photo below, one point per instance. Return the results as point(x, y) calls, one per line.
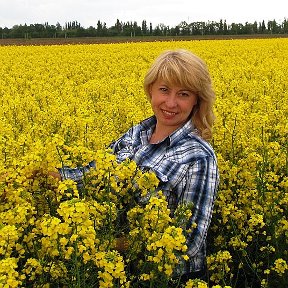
point(174, 144)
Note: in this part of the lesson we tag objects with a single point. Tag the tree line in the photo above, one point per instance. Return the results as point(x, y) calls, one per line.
point(132, 29)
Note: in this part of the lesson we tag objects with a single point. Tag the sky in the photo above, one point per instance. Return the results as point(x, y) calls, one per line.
point(167, 12)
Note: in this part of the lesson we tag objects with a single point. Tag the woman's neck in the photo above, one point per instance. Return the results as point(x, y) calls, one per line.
point(160, 134)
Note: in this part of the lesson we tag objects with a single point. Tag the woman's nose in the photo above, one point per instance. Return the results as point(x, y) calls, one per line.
point(171, 101)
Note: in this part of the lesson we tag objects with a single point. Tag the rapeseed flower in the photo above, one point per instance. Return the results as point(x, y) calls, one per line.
point(63, 103)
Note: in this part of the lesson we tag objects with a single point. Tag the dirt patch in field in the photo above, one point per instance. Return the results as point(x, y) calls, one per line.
point(105, 40)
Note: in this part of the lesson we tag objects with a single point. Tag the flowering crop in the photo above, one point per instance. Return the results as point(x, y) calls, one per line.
point(62, 105)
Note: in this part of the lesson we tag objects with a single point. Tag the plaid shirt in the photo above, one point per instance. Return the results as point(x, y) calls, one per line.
point(187, 169)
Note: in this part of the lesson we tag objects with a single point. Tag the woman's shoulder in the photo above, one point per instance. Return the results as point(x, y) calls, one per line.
point(133, 137)
point(197, 141)
point(191, 148)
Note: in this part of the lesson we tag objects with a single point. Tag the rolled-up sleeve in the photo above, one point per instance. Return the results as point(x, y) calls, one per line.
point(202, 180)
point(76, 174)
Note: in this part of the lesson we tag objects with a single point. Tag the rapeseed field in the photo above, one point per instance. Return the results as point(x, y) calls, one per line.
point(62, 106)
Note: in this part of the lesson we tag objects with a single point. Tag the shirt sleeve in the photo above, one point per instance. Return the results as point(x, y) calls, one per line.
point(123, 147)
point(76, 174)
point(201, 187)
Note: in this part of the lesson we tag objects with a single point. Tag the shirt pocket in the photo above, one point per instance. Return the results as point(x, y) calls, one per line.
point(171, 175)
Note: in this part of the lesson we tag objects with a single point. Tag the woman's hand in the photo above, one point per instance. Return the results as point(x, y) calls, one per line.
point(55, 175)
point(122, 244)
point(39, 172)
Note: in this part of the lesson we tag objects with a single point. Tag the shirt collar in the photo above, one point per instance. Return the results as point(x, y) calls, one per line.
point(149, 124)
point(181, 132)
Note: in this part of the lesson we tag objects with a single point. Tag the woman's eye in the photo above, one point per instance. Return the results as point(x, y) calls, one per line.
point(184, 94)
point(163, 89)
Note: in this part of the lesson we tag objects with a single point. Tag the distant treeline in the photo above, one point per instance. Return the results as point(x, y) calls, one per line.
point(132, 29)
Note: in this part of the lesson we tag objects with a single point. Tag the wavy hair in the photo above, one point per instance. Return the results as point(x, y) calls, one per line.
point(183, 68)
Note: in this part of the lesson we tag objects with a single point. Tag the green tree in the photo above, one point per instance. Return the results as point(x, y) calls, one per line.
point(144, 27)
point(221, 27)
point(184, 28)
point(119, 27)
point(285, 26)
point(198, 28)
point(263, 27)
point(157, 31)
point(175, 31)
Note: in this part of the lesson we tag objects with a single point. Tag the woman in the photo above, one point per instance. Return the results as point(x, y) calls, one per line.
point(173, 144)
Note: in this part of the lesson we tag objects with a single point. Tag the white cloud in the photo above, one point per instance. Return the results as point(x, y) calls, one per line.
point(168, 12)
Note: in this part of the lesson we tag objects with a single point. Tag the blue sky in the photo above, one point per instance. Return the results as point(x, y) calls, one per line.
point(168, 12)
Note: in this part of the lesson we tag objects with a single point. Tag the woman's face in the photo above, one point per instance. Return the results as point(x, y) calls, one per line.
point(171, 105)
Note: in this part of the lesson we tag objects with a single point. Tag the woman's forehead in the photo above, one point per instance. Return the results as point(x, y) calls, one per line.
point(172, 84)
point(172, 80)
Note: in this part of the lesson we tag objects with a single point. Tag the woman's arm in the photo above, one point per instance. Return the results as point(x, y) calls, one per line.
point(75, 174)
point(201, 187)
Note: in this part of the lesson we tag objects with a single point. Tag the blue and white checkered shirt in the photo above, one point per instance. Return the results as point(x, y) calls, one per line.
point(187, 169)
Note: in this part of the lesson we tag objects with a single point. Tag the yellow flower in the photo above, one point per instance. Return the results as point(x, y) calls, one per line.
point(9, 277)
point(33, 268)
point(145, 277)
point(196, 284)
point(8, 238)
point(60, 119)
point(280, 266)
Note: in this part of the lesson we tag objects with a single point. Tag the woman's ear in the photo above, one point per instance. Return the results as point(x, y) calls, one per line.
point(195, 108)
point(150, 92)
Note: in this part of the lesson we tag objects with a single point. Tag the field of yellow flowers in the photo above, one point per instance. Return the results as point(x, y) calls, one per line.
point(62, 105)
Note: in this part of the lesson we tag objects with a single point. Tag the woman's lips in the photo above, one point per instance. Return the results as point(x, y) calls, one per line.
point(168, 113)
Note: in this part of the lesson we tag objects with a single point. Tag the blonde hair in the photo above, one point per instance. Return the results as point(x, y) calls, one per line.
point(183, 68)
